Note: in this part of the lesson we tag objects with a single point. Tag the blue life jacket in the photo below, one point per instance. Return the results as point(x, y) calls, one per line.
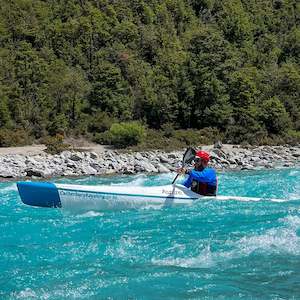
point(202, 182)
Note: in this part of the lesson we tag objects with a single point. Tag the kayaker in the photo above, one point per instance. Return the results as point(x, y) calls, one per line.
point(201, 179)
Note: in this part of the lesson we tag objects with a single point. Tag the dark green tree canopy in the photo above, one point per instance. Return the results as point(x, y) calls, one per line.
point(77, 67)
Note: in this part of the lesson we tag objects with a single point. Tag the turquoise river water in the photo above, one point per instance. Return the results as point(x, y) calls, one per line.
point(210, 250)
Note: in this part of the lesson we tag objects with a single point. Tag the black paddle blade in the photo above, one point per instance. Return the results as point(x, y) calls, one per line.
point(188, 156)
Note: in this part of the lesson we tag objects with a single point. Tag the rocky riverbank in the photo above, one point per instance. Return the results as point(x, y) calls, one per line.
point(74, 163)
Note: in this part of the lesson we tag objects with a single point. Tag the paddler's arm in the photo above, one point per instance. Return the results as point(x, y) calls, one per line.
point(188, 182)
point(183, 171)
point(197, 175)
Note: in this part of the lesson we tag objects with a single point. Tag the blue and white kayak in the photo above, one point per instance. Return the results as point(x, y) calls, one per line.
point(107, 197)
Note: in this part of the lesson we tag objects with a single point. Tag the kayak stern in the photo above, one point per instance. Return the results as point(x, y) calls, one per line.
point(42, 194)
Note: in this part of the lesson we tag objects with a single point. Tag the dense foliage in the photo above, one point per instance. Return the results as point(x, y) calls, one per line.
point(76, 67)
point(122, 134)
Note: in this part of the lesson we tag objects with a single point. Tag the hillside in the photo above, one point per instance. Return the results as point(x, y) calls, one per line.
point(76, 67)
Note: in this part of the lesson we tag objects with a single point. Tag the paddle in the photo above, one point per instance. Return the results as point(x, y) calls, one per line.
point(188, 156)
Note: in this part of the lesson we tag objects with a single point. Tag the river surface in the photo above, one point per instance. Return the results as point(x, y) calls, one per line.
point(210, 250)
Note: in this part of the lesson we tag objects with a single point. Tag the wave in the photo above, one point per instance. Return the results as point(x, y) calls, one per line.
point(91, 214)
point(9, 188)
point(25, 294)
point(204, 260)
point(139, 180)
point(281, 240)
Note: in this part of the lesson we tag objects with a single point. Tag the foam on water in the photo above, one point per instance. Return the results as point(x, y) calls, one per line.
point(211, 250)
point(91, 214)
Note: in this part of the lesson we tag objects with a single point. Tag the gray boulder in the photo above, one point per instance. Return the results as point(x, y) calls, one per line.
point(32, 172)
point(93, 155)
point(218, 145)
point(143, 166)
point(76, 156)
point(162, 169)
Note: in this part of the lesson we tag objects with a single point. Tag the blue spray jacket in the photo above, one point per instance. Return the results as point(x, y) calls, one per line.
point(203, 182)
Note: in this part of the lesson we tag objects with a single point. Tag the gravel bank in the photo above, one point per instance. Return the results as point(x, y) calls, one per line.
point(75, 163)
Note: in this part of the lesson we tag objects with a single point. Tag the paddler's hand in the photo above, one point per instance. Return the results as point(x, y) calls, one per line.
point(181, 171)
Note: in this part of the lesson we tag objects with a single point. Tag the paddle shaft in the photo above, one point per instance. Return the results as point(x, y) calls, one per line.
point(187, 157)
point(175, 179)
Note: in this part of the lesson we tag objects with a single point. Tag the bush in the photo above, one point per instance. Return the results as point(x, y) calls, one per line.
point(274, 116)
point(292, 137)
point(103, 138)
point(100, 122)
point(193, 137)
point(11, 138)
point(210, 135)
point(168, 130)
point(58, 125)
point(127, 134)
point(188, 137)
point(55, 144)
point(156, 139)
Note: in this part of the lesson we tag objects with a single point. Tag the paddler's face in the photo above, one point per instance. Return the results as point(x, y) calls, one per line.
point(200, 163)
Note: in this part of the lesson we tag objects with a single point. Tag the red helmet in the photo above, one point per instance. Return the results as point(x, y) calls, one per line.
point(203, 155)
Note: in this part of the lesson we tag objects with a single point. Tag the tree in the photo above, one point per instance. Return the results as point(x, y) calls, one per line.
point(274, 116)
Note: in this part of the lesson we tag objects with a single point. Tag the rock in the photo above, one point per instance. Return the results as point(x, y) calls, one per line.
point(76, 156)
point(232, 160)
point(7, 173)
point(35, 173)
point(139, 156)
point(71, 164)
point(143, 166)
point(240, 162)
point(93, 155)
point(247, 167)
point(163, 158)
point(218, 145)
point(128, 170)
point(88, 170)
point(224, 161)
point(170, 167)
point(172, 155)
point(96, 166)
point(219, 153)
point(296, 154)
point(269, 166)
point(68, 172)
point(162, 169)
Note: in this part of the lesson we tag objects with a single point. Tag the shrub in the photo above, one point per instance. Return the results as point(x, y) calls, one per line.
point(168, 130)
point(209, 135)
point(126, 134)
point(193, 137)
point(55, 144)
point(103, 138)
point(189, 137)
point(274, 116)
point(58, 125)
point(156, 139)
point(11, 138)
point(292, 137)
point(100, 122)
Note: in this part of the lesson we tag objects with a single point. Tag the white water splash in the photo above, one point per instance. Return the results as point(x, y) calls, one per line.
point(275, 240)
point(205, 259)
point(11, 188)
point(91, 214)
point(138, 180)
point(25, 294)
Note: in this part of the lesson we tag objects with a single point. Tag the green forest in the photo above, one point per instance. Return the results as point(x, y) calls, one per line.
point(189, 69)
